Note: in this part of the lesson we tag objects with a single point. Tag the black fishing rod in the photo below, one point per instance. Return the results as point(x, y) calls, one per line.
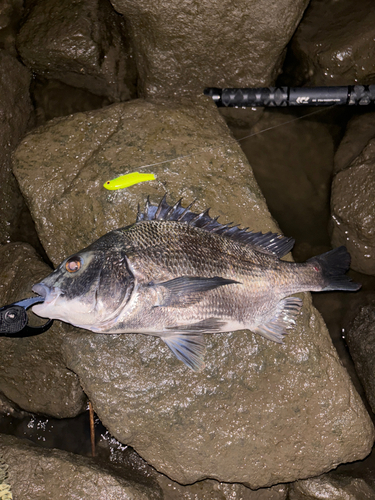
point(351, 95)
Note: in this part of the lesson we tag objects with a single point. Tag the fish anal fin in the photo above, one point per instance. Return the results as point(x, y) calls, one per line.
point(283, 319)
point(186, 290)
point(188, 348)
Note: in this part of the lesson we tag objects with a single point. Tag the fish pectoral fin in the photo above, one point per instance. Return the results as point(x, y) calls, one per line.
point(187, 290)
point(188, 348)
point(283, 319)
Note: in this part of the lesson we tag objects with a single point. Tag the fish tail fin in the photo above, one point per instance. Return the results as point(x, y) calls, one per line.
point(333, 266)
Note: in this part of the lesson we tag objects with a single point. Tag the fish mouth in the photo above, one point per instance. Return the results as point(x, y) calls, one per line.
point(41, 290)
point(50, 295)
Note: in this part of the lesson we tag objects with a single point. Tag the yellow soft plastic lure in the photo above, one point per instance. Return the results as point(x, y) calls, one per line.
point(127, 180)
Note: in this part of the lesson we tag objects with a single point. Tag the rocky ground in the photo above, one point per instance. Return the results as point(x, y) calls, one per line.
point(89, 92)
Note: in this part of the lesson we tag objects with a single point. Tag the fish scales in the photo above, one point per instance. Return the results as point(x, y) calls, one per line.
point(179, 275)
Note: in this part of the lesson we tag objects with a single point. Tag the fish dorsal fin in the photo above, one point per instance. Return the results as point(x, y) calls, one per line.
point(271, 243)
point(188, 348)
point(284, 318)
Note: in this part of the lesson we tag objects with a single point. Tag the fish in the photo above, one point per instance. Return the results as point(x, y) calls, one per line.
point(178, 275)
point(128, 180)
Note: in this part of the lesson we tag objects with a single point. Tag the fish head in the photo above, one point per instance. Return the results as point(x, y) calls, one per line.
point(88, 288)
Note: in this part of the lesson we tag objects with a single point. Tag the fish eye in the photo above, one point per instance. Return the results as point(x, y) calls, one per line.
point(73, 264)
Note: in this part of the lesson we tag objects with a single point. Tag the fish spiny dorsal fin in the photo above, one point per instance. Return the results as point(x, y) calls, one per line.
point(271, 243)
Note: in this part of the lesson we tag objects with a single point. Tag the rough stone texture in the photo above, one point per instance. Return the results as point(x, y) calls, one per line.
point(213, 490)
point(353, 210)
point(109, 449)
point(32, 372)
point(15, 112)
point(38, 474)
point(359, 131)
point(186, 48)
point(10, 409)
point(334, 44)
point(85, 45)
point(10, 15)
point(53, 99)
point(63, 166)
point(361, 341)
point(260, 413)
point(332, 487)
point(284, 160)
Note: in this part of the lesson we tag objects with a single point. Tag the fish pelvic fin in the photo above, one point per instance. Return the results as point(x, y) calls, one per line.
point(188, 348)
point(186, 290)
point(283, 319)
point(333, 266)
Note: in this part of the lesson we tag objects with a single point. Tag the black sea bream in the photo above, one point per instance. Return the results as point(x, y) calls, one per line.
point(178, 275)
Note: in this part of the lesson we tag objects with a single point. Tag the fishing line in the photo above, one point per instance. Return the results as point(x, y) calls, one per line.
point(205, 150)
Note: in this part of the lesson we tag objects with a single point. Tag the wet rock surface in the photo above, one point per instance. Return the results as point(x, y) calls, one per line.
point(333, 45)
point(53, 99)
point(359, 131)
point(360, 337)
point(85, 45)
point(284, 159)
point(32, 372)
point(332, 487)
point(15, 115)
point(353, 210)
point(37, 474)
point(185, 49)
point(259, 413)
point(10, 15)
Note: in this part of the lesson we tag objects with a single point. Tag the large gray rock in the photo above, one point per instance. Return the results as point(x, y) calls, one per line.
point(53, 98)
point(110, 449)
point(83, 44)
point(360, 337)
point(285, 160)
point(10, 15)
point(182, 49)
point(353, 210)
point(359, 131)
point(260, 413)
point(39, 474)
point(332, 487)
point(15, 114)
point(333, 44)
point(32, 371)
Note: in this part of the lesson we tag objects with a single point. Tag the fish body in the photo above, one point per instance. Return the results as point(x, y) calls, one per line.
point(127, 180)
point(177, 275)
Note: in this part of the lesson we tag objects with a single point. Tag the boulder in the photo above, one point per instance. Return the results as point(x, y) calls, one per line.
point(332, 487)
point(333, 44)
point(53, 98)
point(182, 50)
point(360, 337)
point(32, 372)
point(109, 449)
point(285, 153)
point(15, 115)
point(360, 129)
point(353, 210)
point(83, 44)
point(10, 16)
point(36, 473)
point(260, 413)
